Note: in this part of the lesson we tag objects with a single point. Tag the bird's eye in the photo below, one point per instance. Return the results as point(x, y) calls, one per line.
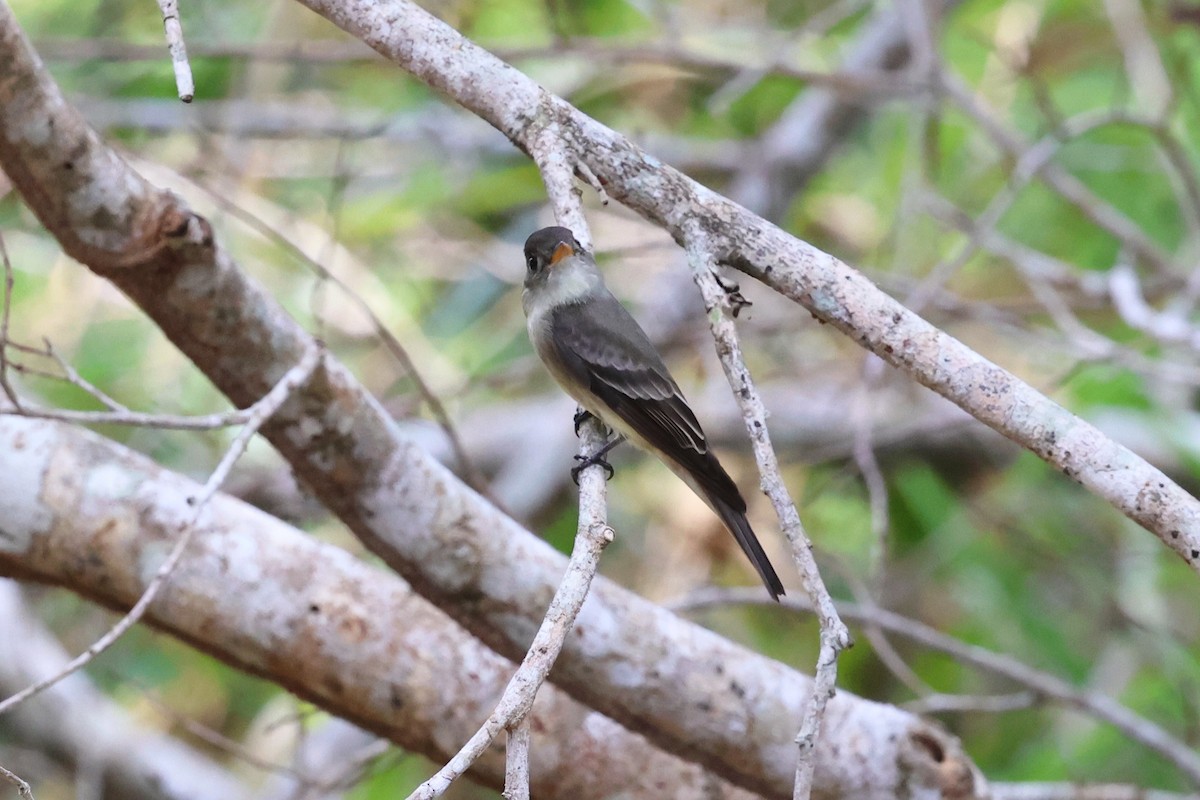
point(531, 262)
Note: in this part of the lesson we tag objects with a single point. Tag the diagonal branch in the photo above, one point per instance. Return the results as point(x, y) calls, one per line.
point(273, 601)
point(260, 412)
point(834, 636)
point(834, 292)
point(591, 537)
point(1043, 684)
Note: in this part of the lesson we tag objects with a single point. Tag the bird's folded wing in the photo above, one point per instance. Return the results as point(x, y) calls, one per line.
point(609, 353)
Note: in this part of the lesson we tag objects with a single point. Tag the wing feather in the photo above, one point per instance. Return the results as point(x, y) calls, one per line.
point(608, 351)
point(605, 350)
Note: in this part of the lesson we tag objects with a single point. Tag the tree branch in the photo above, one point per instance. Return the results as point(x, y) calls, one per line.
point(78, 724)
point(831, 290)
point(261, 411)
point(834, 636)
point(86, 513)
point(452, 546)
point(1133, 726)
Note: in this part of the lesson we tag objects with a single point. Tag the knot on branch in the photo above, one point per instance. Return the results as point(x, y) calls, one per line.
point(166, 229)
point(181, 229)
point(932, 757)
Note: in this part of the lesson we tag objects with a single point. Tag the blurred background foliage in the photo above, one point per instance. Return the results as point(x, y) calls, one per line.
point(330, 174)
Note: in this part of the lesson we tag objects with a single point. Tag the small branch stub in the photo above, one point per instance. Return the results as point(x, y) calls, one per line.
point(173, 28)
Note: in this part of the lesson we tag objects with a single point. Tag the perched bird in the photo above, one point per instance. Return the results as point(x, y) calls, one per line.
point(600, 355)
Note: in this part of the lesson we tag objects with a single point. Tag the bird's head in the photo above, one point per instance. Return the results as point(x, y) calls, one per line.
point(546, 248)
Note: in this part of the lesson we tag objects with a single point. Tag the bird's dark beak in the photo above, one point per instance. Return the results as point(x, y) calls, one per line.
point(563, 250)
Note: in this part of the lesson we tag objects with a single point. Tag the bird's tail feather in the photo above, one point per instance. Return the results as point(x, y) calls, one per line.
point(739, 526)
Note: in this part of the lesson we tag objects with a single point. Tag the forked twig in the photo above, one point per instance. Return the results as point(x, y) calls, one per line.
point(260, 413)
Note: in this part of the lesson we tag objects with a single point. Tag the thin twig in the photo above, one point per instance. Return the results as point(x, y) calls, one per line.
point(78, 380)
point(1133, 309)
point(591, 538)
point(586, 173)
point(184, 84)
point(1046, 276)
point(5, 317)
point(834, 636)
point(118, 414)
point(938, 703)
point(22, 787)
point(1103, 708)
point(868, 467)
point(516, 762)
point(1066, 185)
point(878, 640)
point(260, 413)
point(205, 422)
point(354, 765)
point(215, 738)
point(470, 471)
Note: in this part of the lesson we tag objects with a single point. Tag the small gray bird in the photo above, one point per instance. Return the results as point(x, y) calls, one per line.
point(600, 355)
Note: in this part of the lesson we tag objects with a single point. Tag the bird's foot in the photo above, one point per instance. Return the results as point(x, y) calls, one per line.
point(591, 461)
point(737, 300)
point(595, 458)
point(581, 416)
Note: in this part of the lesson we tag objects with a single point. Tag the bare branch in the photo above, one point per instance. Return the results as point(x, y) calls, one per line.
point(516, 761)
point(1137, 313)
point(173, 28)
point(834, 636)
point(391, 341)
point(1102, 214)
point(22, 787)
point(813, 126)
point(331, 758)
point(341, 633)
point(1137, 728)
point(319, 51)
point(591, 538)
point(260, 413)
point(831, 290)
point(117, 414)
point(1143, 65)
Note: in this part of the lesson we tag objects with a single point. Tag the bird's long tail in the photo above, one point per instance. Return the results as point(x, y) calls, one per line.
point(739, 526)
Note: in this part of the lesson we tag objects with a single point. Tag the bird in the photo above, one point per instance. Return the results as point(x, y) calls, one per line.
point(598, 353)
